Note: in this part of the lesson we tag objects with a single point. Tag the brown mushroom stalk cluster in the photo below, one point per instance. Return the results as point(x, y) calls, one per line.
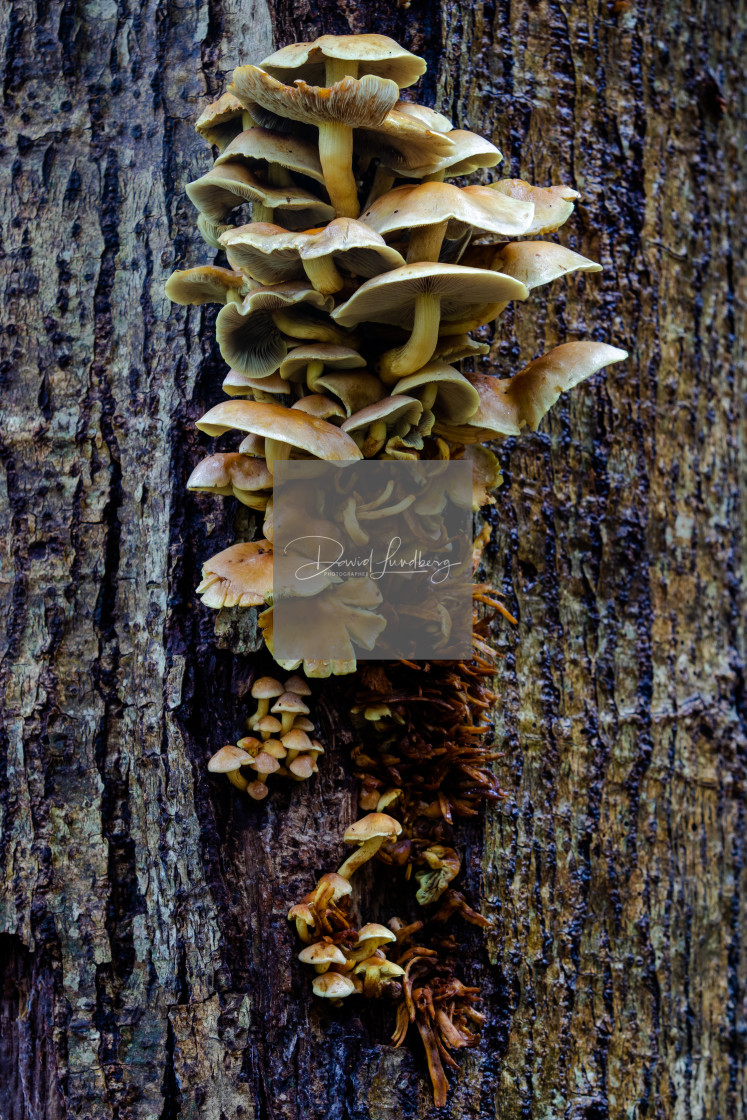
point(350, 293)
point(279, 744)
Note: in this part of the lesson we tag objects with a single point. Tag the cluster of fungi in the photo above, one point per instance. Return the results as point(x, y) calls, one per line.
point(349, 299)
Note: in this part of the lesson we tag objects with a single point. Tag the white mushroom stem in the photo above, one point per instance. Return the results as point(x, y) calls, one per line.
point(420, 347)
point(425, 243)
point(486, 314)
point(323, 274)
point(361, 855)
point(336, 158)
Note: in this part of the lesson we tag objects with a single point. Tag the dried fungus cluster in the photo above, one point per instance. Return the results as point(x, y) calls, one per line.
point(349, 300)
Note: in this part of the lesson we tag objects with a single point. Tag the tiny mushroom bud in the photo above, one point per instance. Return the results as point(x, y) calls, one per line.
point(369, 833)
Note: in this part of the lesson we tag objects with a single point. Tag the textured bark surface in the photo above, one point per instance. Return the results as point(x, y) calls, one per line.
point(147, 968)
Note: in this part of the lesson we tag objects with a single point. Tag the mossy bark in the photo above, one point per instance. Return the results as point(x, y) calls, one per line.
point(148, 970)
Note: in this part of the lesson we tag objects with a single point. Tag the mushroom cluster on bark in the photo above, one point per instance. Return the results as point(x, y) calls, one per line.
point(353, 273)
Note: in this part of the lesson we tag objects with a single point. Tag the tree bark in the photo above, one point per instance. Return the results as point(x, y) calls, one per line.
point(148, 971)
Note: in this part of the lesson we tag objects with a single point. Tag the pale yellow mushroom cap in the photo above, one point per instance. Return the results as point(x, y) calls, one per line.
point(274, 748)
point(232, 184)
point(221, 120)
point(266, 688)
point(436, 122)
point(260, 147)
point(205, 284)
point(302, 767)
point(333, 985)
point(290, 702)
point(317, 437)
point(340, 887)
point(322, 952)
point(371, 826)
point(228, 759)
point(296, 740)
point(240, 576)
point(356, 103)
point(268, 724)
point(226, 472)
point(480, 208)
point(298, 685)
point(264, 763)
point(374, 54)
point(372, 931)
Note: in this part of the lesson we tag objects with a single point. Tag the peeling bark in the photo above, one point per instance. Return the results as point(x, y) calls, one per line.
point(147, 968)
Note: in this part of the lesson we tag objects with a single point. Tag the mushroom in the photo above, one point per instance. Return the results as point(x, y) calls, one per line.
point(321, 955)
point(230, 473)
point(229, 760)
point(252, 335)
point(274, 748)
point(222, 120)
point(417, 296)
point(302, 767)
point(552, 205)
point(368, 834)
point(371, 426)
point(272, 156)
point(333, 985)
point(232, 184)
point(288, 706)
point(486, 474)
point(263, 389)
point(444, 865)
point(427, 210)
point(240, 576)
point(284, 430)
point(264, 690)
point(265, 765)
point(507, 406)
point(317, 365)
point(316, 404)
point(442, 389)
point(298, 685)
point(271, 254)
point(206, 284)
point(306, 923)
point(210, 229)
point(375, 970)
point(371, 937)
point(332, 57)
point(268, 726)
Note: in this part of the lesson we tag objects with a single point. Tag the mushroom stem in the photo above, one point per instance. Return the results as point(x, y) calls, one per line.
point(323, 274)
point(261, 213)
point(314, 370)
point(486, 314)
point(247, 120)
point(262, 710)
point(286, 718)
point(237, 779)
point(421, 344)
point(278, 176)
point(425, 243)
point(335, 69)
point(360, 856)
point(336, 158)
point(275, 449)
point(383, 181)
point(375, 439)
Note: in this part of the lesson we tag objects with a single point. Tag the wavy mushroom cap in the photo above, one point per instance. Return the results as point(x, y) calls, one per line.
point(427, 204)
point(290, 702)
point(221, 120)
point(205, 284)
point(353, 102)
point(486, 474)
point(247, 335)
point(260, 147)
point(232, 184)
point(552, 205)
point(508, 406)
point(533, 262)
point(391, 410)
point(240, 576)
point(371, 826)
point(414, 146)
point(436, 122)
point(225, 471)
point(286, 425)
point(354, 390)
point(235, 384)
point(469, 152)
point(293, 368)
point(373, 54)
point(453, 396)
point(391, 298)
point(316, 404)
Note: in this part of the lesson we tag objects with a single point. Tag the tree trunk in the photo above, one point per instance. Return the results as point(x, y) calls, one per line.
point(148, 968)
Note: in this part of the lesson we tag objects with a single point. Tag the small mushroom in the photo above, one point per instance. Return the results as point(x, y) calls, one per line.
point(444, 865)
point(240, 576)
point(288, 706)
point(264, 690)
point(372, 425)
point(275, 748)
point(331, 57)
point(232, 184)
point(265, 765)
point(368, 834)
point(302, 767)
point(298, 685)
point(417, 296)
point(230, 473)
point(211, 230)
point(321, 955)
point(306, 922)
point(295, 742)
point(323, 408)
point(222, 120)
point(206, 284)
point(375, 971)
point(443, 390)
point(333, 985)
point(268, 726)
point(229, 760)
point(263, 389)
point(371, 937)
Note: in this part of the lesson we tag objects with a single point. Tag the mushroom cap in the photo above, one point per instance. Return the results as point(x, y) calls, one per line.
point(391, 298)
point(294, 366)
point(210, 230)
point(240, 576)
point(296, 740)
point(552, 205)
point(371, 826)
point(468, 153)
point(436, 122)
point(251, 745)
point(426, 204)
point(257, 790)
point(372, 931)
point(315, 748)
point(456, 399)
point(322, 952)
point(302, 912)
point(205, 284)
point(390, 409)
point(298, 685)
point(316, 404)
point(301, 723)
point(264, 763)
point(290, 702)
point(375, 54)
point(380, 965)
point(235, 384)
point(538, 262)
point(332, 985)
point(287, 425)
point(259, 146)
point(225, 471)
point(228, 759)
point(268, 723)
point(246, 333)
point(223, 188)
point(302, 767)
point(265, 688)
point(413, 145)
point(354, 390)
point(350, 243)
point(509, 405)
point(340, 886)
point(274, 748)
point(356, 103)
point(221, 120)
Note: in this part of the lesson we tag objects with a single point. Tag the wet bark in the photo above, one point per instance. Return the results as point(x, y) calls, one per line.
point(147, 968)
